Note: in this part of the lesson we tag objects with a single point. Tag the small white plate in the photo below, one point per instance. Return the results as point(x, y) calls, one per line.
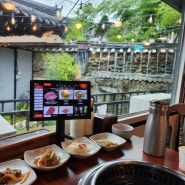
point(30, 155)
point(20, 165)
point(108, 138)
point(92, 147)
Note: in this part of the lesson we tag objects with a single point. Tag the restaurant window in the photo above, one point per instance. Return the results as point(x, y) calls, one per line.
point(132, 72)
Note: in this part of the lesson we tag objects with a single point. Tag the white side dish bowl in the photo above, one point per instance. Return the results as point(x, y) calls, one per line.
point(31, 155)
point(81, 148)
point(19, 164)
point(108, 141)
point(123, 130)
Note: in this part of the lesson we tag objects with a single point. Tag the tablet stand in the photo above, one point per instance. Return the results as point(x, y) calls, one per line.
point(60, 131)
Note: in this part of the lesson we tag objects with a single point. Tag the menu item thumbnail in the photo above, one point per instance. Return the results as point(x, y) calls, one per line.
point(79, 94)
point(66, 109)
point(51, 95)
point(65, 94)
point(48, 110)
point(51, 110)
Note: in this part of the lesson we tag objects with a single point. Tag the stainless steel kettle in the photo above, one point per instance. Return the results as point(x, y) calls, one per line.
point(156, 129)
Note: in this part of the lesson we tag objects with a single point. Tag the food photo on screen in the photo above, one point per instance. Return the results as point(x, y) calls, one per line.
point(65, 109)
point(50, 94)
point(65, 94)
point(49, 110)
point(80, 94)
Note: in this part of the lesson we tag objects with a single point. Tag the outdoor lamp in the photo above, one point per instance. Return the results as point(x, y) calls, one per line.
point(119, 36)
point(58, 12)
point(33, 18)
point(78, 25)
point(103, 26)
point(150, 20)
point(162, 38)
point(13, 19)
point(146, 43)
point(9, 6)
point(66, 29)
point(34, 27)
point(179, 21)
point(8, 28)
point(117, 24)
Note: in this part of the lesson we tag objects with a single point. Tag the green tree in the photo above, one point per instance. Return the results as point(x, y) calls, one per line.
point(168, 20)
point(86, 20)
point(134, 16)
point(73, 32)
point(61, 66)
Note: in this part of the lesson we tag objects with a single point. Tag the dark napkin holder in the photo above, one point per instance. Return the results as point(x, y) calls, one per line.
point(103, 123)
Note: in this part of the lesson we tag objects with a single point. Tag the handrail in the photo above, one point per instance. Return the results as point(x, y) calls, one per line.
point(14, 101)
point(117, 104)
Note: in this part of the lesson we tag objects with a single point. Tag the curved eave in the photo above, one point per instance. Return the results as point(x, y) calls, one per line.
point(46, 21)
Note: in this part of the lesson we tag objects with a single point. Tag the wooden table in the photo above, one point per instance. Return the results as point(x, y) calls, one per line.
point(72, 171)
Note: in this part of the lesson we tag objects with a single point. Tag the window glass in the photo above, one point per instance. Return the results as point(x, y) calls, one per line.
point(128, 65)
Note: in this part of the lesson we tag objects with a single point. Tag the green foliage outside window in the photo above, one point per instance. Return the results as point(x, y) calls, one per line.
point(134, 16)
point(61, 66)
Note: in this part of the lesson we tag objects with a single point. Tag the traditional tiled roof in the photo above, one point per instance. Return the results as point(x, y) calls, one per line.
point(46, 21)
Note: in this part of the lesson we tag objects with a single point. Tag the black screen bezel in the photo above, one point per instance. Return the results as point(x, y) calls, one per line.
point(60, 116)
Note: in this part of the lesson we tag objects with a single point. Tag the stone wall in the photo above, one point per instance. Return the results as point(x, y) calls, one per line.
point(121, 69)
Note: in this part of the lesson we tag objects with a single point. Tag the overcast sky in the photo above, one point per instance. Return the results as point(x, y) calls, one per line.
point(67, 4)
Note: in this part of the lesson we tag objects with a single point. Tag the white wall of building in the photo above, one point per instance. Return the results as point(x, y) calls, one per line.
point(24, 66)
point(7, 73)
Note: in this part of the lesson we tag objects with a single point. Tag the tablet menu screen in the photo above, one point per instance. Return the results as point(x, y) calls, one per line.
point(52, 100)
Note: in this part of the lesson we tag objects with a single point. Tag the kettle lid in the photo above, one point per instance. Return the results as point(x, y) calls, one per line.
point(159, 103)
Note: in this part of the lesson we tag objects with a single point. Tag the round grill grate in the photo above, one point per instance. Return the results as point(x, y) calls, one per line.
point(134, 173)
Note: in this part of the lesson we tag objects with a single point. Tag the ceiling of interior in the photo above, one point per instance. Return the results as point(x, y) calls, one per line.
point(46, 21)
point(176, 4)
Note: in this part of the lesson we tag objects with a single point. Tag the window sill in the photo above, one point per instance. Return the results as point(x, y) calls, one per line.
point(12, 147)
point(138, 121)
point(134, 118)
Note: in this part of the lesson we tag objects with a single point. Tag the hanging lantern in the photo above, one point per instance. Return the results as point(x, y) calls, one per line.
point(78, 25)
point(103, 26)
point(118, 36)
point(117, 24)
point(33, 18)
point(150, 20)
point(9, 6)
point(12, 20)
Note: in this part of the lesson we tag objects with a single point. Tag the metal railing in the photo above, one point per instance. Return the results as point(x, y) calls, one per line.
point(117, 104)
